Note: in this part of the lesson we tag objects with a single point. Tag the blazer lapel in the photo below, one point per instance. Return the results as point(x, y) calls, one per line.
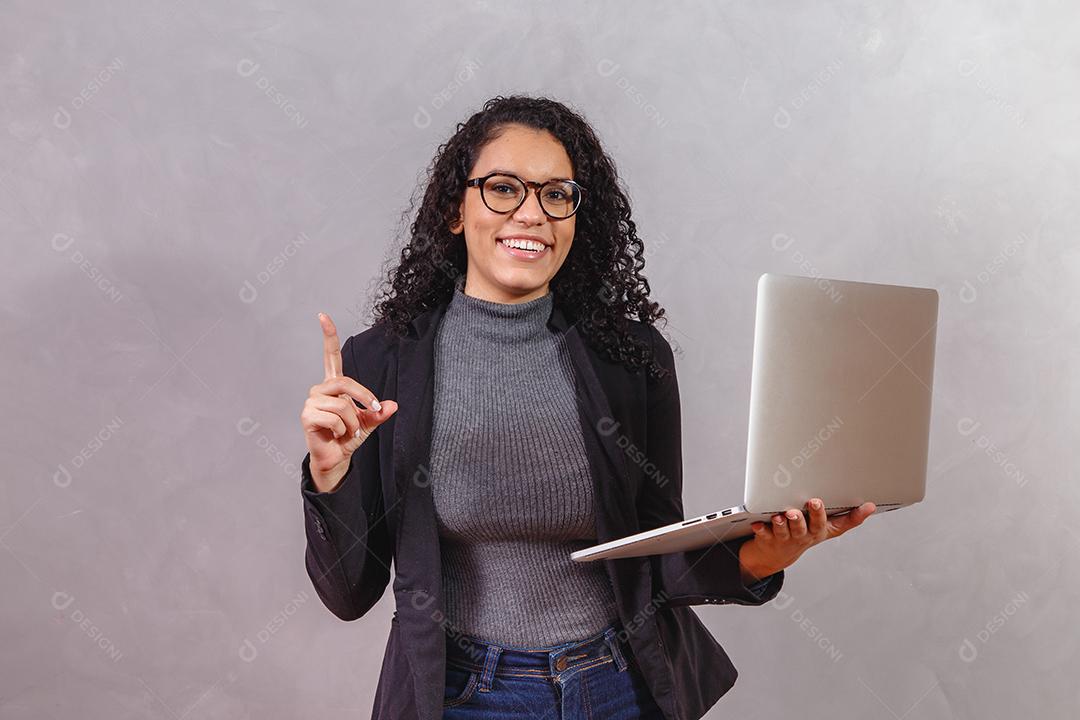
point(412, 444)
point(616, 515)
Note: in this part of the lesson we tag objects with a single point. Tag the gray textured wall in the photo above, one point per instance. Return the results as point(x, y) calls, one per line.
point(184, 185)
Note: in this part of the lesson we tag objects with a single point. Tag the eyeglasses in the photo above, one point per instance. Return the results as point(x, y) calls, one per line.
point(559, 199)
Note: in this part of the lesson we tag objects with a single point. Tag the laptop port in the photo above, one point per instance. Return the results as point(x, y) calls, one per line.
point(710, 516)
point(691, 522)
point(726, 512)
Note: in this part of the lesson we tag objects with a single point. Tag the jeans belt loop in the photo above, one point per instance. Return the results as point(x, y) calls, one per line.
point(616, 651)
point(491, 659)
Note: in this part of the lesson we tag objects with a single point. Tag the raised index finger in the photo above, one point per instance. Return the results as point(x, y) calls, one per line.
point(331, 348)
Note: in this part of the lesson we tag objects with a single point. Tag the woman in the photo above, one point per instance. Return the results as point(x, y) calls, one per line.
point(536, 413)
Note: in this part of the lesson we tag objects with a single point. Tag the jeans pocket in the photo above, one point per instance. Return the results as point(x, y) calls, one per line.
point(460, 686)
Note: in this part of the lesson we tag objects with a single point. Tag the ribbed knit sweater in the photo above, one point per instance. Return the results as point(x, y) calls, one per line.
point(510, 479)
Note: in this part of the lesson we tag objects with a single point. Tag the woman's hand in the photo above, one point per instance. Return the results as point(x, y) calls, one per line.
point(333, 425)
point(774, 548)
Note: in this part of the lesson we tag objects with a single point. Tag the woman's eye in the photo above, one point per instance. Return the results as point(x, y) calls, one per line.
point(504, 189)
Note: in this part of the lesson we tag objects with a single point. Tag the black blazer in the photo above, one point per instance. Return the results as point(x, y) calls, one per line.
point(383, 511)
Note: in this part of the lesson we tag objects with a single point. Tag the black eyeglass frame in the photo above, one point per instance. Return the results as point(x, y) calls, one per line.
point(537, 187)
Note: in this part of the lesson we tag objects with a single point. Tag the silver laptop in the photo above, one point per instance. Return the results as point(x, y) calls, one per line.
point(839, 408)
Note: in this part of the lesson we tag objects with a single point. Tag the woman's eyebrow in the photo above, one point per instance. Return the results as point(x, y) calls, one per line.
point(501, 171)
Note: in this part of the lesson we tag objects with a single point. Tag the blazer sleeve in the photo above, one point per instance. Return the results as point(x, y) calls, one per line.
point(348, 551)
point(709, 575)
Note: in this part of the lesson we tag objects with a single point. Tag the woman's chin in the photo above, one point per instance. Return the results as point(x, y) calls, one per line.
point(521, 280)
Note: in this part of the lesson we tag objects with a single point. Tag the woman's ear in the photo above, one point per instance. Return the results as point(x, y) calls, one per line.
point(456, 225)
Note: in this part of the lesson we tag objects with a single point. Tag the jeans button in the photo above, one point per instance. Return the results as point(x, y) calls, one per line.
point(560, 664)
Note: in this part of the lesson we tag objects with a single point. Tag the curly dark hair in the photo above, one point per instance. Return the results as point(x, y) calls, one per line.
point(600, 284)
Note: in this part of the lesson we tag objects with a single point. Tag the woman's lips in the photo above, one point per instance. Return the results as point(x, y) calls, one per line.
point(524, 254)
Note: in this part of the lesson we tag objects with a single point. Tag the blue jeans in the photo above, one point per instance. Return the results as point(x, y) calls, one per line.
point(592, 678)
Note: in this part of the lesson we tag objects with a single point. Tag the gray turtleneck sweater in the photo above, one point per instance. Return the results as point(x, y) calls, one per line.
point(510, 479)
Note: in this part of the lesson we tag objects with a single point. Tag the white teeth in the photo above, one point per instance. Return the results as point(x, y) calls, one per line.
point(523, 244)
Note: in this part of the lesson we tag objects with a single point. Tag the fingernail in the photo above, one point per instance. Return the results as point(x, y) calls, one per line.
point(357, 433)
point(816, 504)
point(376, 406)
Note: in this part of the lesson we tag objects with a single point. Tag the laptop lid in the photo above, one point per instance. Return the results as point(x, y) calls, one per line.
point(840, 393)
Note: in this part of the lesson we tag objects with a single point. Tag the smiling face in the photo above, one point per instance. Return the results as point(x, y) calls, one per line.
point(496, 271)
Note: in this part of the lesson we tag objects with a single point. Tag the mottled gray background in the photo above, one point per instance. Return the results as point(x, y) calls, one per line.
point(185, 184)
